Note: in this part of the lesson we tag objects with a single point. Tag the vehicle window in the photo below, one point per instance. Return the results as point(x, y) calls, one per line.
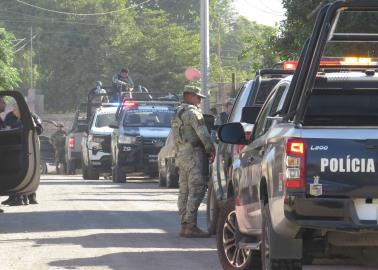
point(264, 90)
point(240, 103)
point(260, 127)
point(104, 120)
point(10, 115)
point(277, 99)
point(148, 118)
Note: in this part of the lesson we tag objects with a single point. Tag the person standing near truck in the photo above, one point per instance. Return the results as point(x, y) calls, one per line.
point(58, 140)
point(194, 152)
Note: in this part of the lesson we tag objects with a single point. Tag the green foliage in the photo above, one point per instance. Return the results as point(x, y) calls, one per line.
point(9, 76)
point(157, 41)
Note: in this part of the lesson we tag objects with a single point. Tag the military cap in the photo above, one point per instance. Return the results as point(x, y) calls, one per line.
point(194, 90)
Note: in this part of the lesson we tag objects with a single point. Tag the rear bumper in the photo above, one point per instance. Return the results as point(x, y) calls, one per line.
point(327, 214)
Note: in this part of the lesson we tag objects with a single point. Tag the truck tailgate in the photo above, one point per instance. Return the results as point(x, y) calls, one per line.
point(342, 167)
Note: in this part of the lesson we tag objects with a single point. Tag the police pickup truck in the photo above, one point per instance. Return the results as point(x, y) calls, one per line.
point(305, 185)
point(143, 124)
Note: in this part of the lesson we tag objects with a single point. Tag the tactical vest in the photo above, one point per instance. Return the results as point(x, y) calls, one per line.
point(184, 132)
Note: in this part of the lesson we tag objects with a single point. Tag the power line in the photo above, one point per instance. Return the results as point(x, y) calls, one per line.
point(81, 14)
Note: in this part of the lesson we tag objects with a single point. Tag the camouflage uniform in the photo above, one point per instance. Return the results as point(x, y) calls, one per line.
point(58, 140)
point(193, 147)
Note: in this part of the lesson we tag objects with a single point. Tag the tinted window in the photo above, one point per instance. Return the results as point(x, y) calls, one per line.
point(148, 118)
point(104, 120)
point(240, 103)
point(260, 125)
point(356, 107)
point(277, 98)
point(264, 90)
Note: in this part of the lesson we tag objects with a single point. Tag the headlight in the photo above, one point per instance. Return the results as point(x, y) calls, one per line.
point(127, 139)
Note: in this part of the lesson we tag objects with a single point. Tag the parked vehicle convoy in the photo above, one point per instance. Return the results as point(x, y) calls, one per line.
point(73, 139)
point(252, 93)
point(168, 171)
point(19, 149)
point(304, 186)
point(143, 124)
point(96, 153)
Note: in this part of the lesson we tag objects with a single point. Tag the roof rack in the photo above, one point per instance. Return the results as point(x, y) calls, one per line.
point(309, 63)
point(274, 72)
point(149, 96)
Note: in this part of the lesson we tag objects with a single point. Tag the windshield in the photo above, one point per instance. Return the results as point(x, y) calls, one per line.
point(148, 118)
point(104, 120)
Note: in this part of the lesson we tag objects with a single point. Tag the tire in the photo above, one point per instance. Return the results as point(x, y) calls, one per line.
point(267, 262)
point(118, 175)
point(92, 173)
point(227, 232)
point(171, 176)
point(85, 172)
point(162, 180)
point(212, 210)
point(43, 167)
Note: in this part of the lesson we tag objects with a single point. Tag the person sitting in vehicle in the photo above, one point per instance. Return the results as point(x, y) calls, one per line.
point(13, 118)
point(121, 82)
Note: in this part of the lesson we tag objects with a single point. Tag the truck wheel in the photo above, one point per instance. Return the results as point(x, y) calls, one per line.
point(85, 172)
point(92, 173)
point(230, 256)
point(212, 210)
point(267, 262)
point(118, 175)
point(171, 176)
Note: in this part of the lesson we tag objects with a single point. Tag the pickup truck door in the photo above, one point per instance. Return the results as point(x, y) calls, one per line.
point(19, 148)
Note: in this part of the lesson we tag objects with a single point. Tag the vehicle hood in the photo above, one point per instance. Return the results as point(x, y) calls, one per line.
point(102, 131)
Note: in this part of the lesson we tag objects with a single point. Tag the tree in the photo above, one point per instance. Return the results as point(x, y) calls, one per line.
point(9, 77)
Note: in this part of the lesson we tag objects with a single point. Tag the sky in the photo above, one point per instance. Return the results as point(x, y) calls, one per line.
point(268, 12)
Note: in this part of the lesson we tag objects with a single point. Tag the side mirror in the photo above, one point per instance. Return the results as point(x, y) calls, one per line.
point(82, 127)
point(249, 114)
point(232, 133)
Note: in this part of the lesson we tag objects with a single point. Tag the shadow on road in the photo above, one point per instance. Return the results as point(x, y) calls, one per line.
point(84, 219)
point(147, 261)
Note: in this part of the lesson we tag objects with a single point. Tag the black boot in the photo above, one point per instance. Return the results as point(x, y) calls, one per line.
point(7, 201)
point(33, 198)
point(16, 202)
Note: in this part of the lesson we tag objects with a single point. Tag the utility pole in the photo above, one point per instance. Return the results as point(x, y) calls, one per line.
point(205, 60)
point(31, 57)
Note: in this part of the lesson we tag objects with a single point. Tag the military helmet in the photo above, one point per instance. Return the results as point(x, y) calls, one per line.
point(194, 90)
point(60, 125)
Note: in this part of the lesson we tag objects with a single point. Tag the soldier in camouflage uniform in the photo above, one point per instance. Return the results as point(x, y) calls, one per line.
point(58, 140)
point(194, 151)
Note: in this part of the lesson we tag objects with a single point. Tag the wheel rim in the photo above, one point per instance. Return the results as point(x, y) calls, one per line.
point(237, 257)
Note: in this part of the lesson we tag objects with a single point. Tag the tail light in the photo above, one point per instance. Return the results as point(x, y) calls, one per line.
point(71, 142)
point(295, 164)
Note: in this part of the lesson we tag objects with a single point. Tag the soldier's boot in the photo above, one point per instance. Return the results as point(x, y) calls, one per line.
point(183, 228)
point(7, 201)
point(33, 198)
point(192, 231)
point(16, 201)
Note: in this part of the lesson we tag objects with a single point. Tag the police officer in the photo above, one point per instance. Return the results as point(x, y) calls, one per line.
point(58, 140)
point(194, 152)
